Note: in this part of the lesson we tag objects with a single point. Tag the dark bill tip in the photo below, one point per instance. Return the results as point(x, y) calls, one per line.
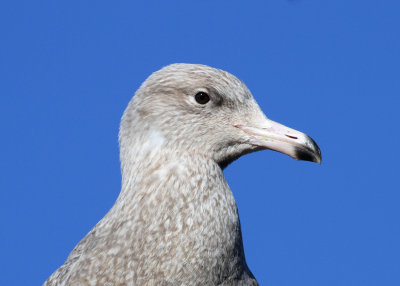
point(312, 153)
point(305, 155)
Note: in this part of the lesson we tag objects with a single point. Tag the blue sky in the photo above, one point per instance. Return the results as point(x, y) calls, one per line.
point(327, 68)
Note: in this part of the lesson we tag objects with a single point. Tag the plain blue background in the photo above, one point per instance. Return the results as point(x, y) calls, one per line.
point(327, 68)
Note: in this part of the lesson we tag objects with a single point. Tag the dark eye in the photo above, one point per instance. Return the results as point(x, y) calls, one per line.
point(202, 97)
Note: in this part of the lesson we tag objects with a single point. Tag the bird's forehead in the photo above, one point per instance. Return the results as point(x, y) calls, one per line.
point(192, 76)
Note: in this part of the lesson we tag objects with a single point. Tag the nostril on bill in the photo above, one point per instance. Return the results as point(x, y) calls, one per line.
point(290, 136)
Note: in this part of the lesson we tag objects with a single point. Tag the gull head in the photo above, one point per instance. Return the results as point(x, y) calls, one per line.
point(200, 110)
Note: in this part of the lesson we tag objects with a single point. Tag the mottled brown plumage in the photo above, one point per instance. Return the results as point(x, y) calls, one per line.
point(175, 221)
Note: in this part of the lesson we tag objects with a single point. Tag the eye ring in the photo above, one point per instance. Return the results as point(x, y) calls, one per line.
point(202, 97)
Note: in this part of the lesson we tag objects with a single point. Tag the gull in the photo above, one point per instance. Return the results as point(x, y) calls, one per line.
point(175, 221)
